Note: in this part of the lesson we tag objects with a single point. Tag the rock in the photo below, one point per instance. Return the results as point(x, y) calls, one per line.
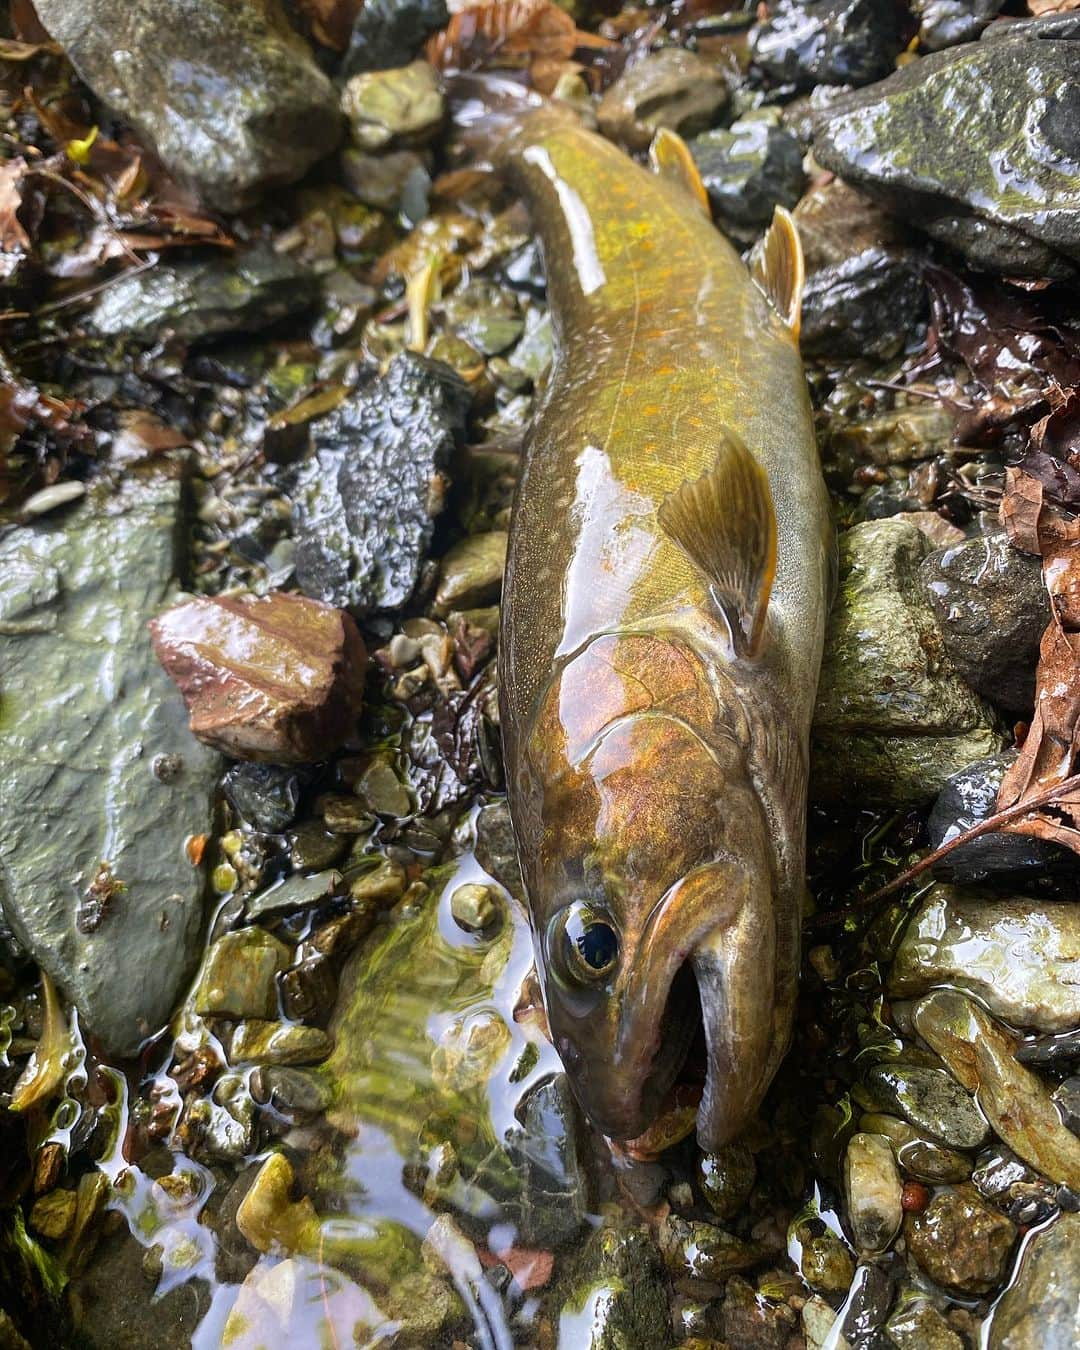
point(1052, 1052)
point(865, 1308)
point(942, 533)
point(992, 607)
point(915, 1324)
point(918, 1155)
point(967, 798)
point(670, 88)
point(276, 677)
point(382, 180)
point(900, 436)
point(96, 884)
point(382, 885)
point(726, 1179)
point(1041, 1308)
point(555, 1185)
point(298, 1091)
point(239, 975)
point(471, 573)
point(817, 1320)
point(402, 107)
point(262, 1042)
point(484, 316)
point(701, 1251)
point(366, 499)
point(291, 895)
point(191, 301)
point(265, 795)
point(383, 791)
point(980, 1054)
point(1066, 1097)
point(892, 715)
point(826, 1264)
point(475, 907)
point(223, 90)
point(930, 1100)
point(929, 142)
point(960, 1243)
point(620, 1300)
point(496, 848)
point(1019, 957)
point(53, 1215)
point(314, 849)
point(872, 1188)
point(286, 1302)
point(809, 42)
point(864, 295)
point(748, 170)
point(751, 1322)
point(946, 23)
point(389, 33)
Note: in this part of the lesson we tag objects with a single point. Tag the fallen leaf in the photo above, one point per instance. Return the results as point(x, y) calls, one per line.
point(509, 34)
point(141, 434)
point(13, 237)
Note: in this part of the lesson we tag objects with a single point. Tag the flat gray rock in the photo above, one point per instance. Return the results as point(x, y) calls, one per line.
point(100, 780)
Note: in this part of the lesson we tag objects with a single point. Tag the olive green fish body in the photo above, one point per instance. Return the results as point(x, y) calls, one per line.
point(656, 765)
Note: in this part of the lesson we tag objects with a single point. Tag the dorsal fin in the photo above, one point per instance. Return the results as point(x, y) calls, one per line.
point(777, 266)
point(726, 523)
point(670, 157)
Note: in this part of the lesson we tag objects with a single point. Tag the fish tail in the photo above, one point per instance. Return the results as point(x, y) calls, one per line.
point(497, 116)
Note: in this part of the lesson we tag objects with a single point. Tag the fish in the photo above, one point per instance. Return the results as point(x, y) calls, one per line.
point(666, 590)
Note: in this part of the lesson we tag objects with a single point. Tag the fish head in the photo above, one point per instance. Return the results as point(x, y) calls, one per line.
point(650, 872)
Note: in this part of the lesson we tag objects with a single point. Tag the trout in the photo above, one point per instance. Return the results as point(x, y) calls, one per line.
point(664, 607)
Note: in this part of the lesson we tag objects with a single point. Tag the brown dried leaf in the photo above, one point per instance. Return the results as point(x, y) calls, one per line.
point(13, 237)
point(509, 33)
point(332, 20)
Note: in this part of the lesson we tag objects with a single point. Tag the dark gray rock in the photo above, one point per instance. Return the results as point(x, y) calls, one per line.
point(864, 295)
point(223, 90)
point(808, 42)
point(670, 88)
point(992, 607)
point(748, 170)
point(1041, 1310)
point(978, 146)
point(365, 501)
point(390, 33)
point(100, 779)
point(946, 23)
point(931, 1100)
point(195, 300)
point(555, 1191)
point(965, 800)
point(265, 795)
point(1067, 1100)
point(1051, 1052)
point(496, 849)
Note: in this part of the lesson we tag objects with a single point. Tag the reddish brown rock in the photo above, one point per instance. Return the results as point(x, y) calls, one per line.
point(277, 677)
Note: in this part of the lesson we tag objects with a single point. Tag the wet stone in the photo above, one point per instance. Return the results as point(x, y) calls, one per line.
point(192, 301)
point(239, 975)
point(863, 293)
point(930, 1100)
point(389, 33)
point(383, 791)
point(78, 753)
point(960, 1243)
point(929, 141)
point(403, 106)
point(1066, 1098)
point(1020, 957)
point(554, 1203)
point(872, 1189)
point(750, 1322)
point(292, 895)
point(918, 1155)
point(670, 88)
point(817, 1320)
point(1053, 1052)
point(471, 573)
point(826, 1264)
point(1041, 1309)
point(276, 677)
point(262, 1042)
point(265, 795)
point(726, 1178)
point(704, 1252)
point(475, 908)
point(809, 42)
point(382, 180)
point(620, 1299)
point(496, 850)
point(866, 1308)
point(295, 1091)
point(748, 169)
point(382, 885)
point(177, 81)
point(313, 848)
point(52, 1215)
point(992, 607)
point(365, 501)
point(487, 318)
point(966, 799)
point(891, 713)
point(946, 23)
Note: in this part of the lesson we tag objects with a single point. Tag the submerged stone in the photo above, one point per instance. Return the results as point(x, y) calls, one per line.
point(946, 23)
point(404, 106)
point(472, 572)
point(1041, 1308)
point(195, 300)
point(872, 1190)
point(224, 91)
point(931, 1100)
point(1020, 957)
point(976, 145)
point(670, 88)
point(265, 795)
point(366, 499)
point(748, 170)
point(892, 714)
point(101, 780)
point(275, 677)
point(809, 42)
point(915, 1324)
point(620, 1300)
point(701, 1251)
point(390, 32)
point(918, 1154)
point(961, 1243)
point(239, 975)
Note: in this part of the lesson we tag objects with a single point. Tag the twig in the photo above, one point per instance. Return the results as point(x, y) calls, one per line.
point(988, 826)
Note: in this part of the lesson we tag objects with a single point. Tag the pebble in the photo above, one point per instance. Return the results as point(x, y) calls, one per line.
point(704, 1252)
point(292, 895)
point(726, 1178)
point(1066, 1098)
point(265, 1042)
point(915, 1324)
point(265, 795)
point(811, 42)
point(960, 1243)
point(239, 975)
point(1041, 1308)
point(475, 908)
point(291, 1090)
point(817, 1321)
point(1020, 957)
point(930, 1100)
point(748, 169)
point(382, 885)
point(873, 1189)
point(314, 848)
point(403, 107)
point(383, 791)
point(752, 1322)
point(619, 1298)
point(388, 33)
point(980, 1053)
point(826, 1264)
point(277, 677)
point(670, 88)
point(917, 1154)
point(471, 573)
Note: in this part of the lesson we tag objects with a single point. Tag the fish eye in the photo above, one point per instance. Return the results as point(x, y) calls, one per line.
point(590, 944)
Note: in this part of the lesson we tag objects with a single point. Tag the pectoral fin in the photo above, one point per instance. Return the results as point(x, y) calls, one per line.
point(725, 522)
point(671, 159)
point(778, 268)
